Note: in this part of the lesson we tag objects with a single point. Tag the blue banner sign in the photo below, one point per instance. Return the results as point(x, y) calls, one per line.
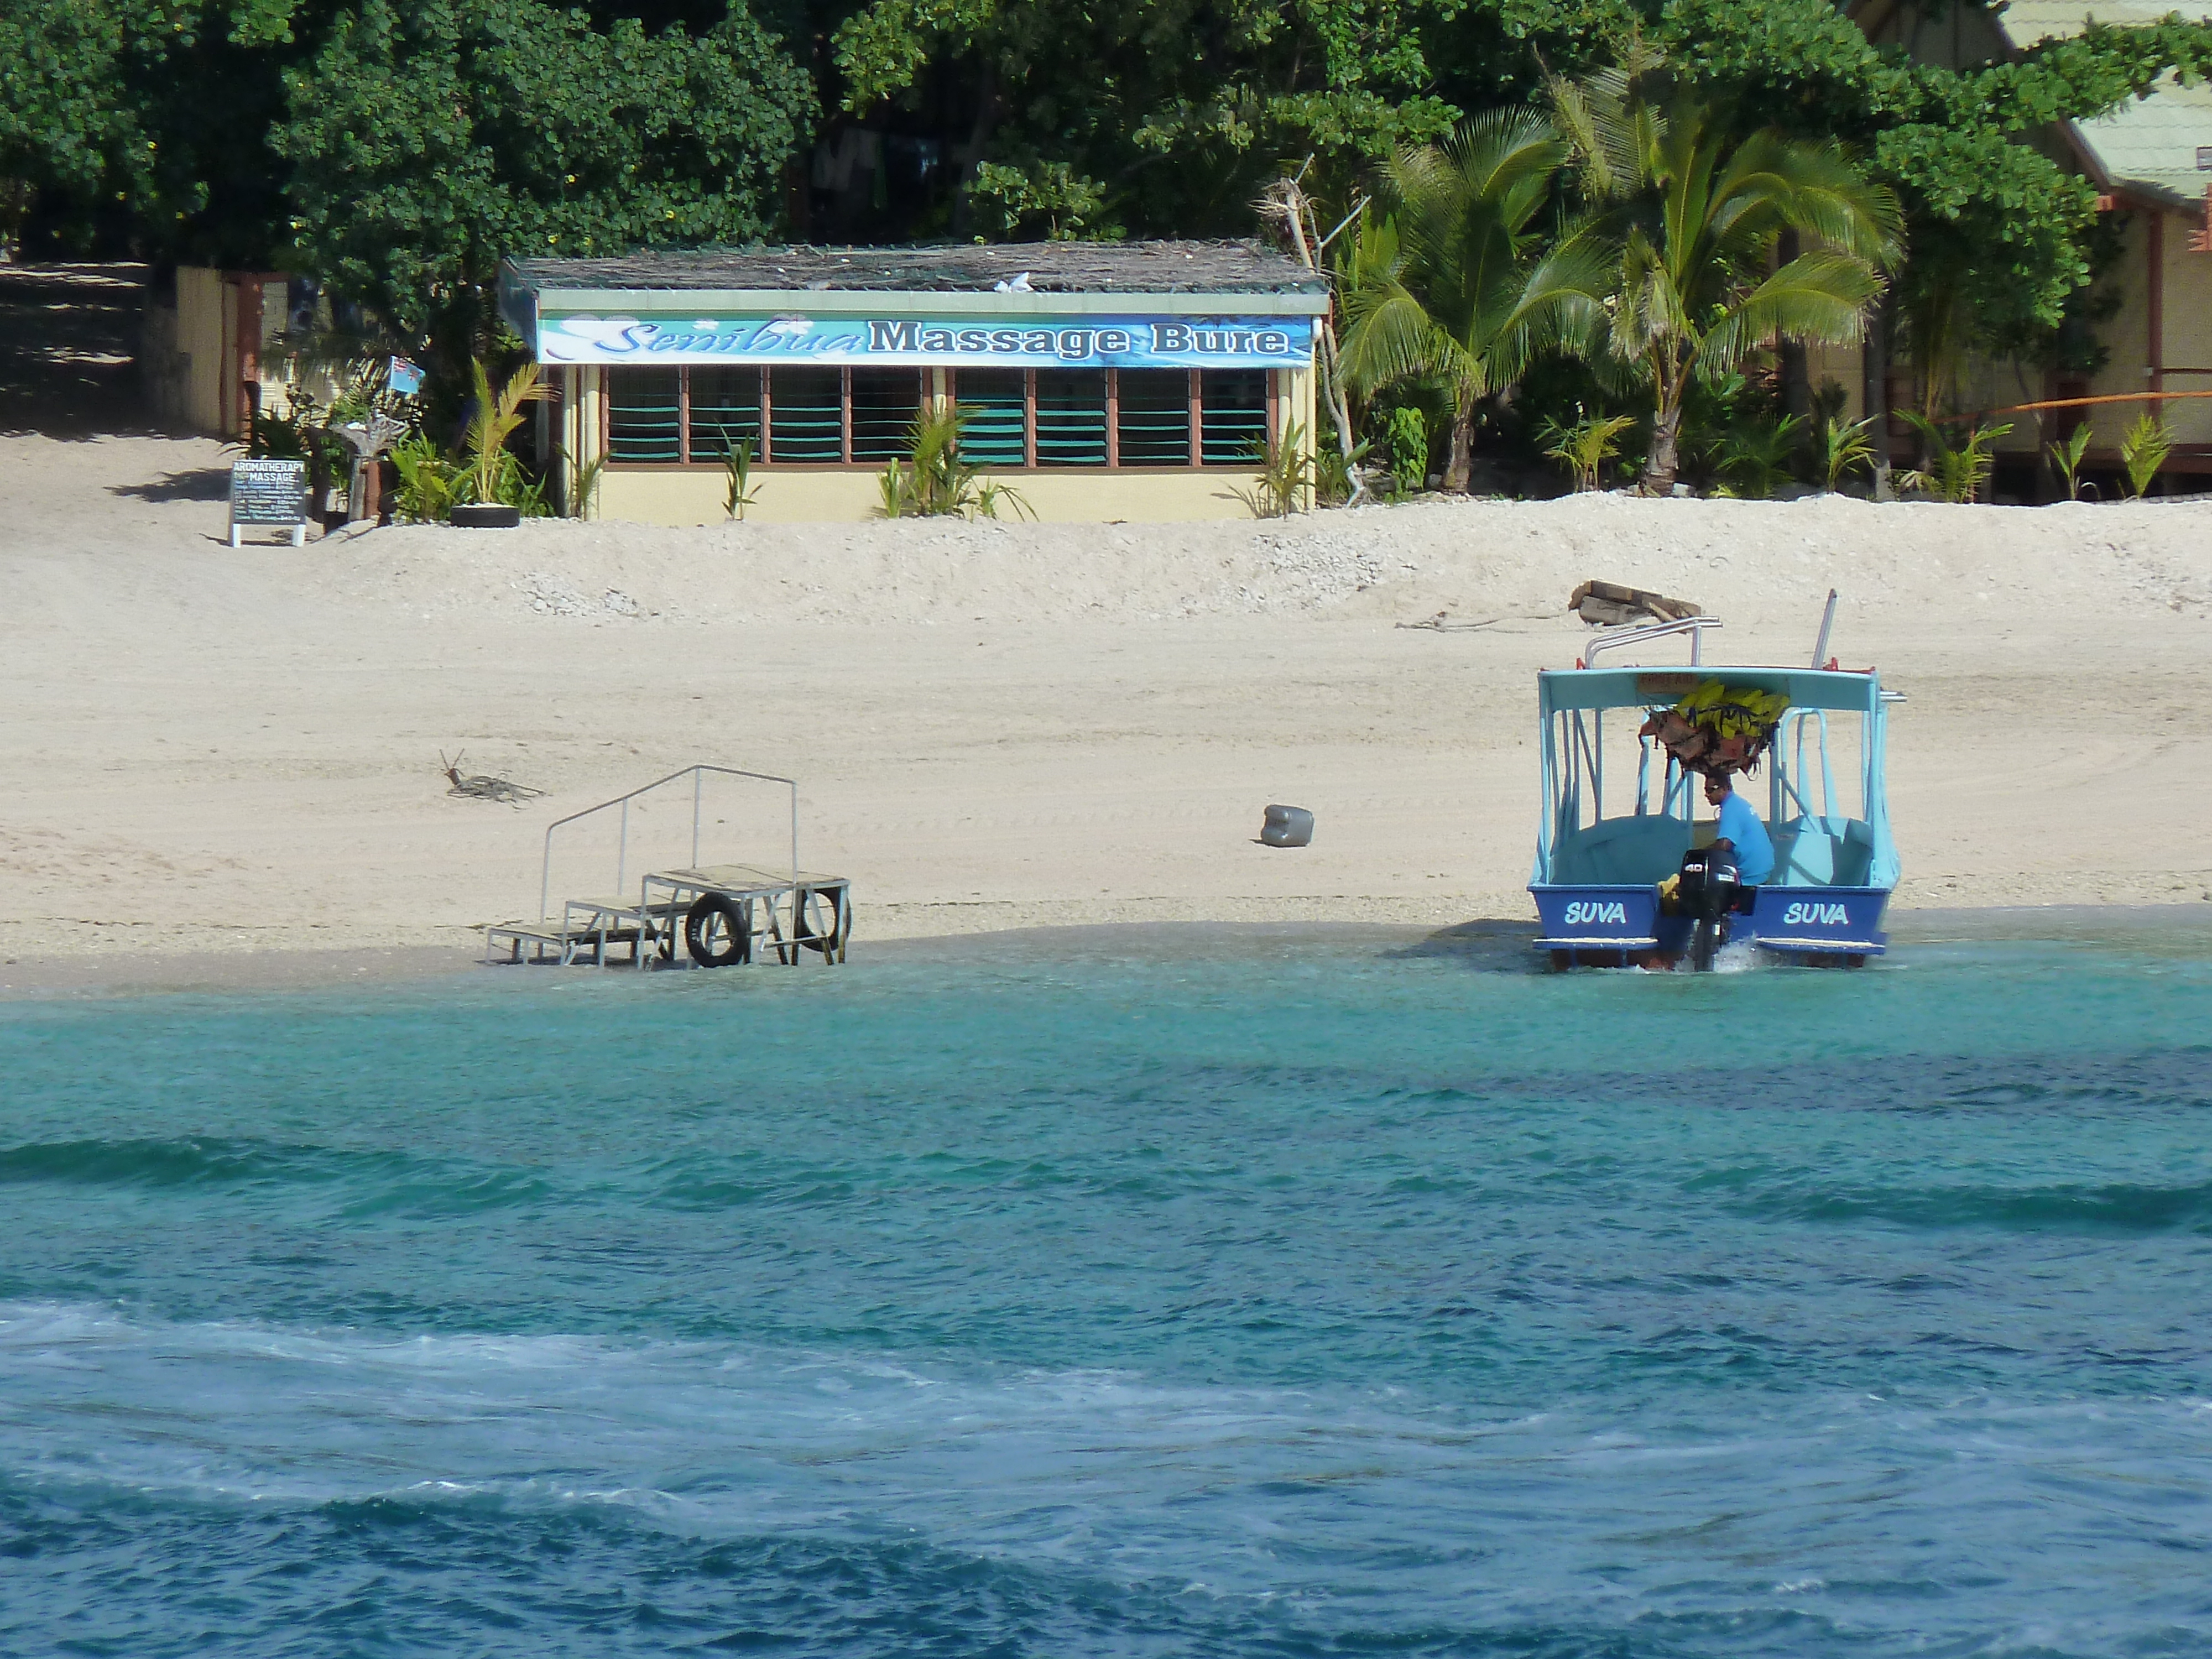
point(911, 342)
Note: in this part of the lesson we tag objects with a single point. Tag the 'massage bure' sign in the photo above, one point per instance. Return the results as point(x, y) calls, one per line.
point(909, 342)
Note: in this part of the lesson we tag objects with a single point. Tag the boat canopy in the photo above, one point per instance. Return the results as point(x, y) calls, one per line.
point(1636, 831)
point(1858, 690)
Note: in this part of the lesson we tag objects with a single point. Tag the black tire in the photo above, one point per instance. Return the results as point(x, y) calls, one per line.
point(805, 925)
point(700, 925)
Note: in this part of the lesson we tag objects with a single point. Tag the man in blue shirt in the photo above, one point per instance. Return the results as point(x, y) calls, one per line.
point(1740, 831)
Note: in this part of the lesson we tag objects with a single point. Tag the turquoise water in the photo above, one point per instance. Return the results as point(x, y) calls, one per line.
point(1242, 1297)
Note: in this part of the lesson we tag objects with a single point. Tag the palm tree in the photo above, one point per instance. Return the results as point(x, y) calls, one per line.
point(1440, 288)
point(1687, 216)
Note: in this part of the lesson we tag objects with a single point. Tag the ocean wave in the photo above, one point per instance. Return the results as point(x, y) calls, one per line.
point(357, 1183)
point(199, 1160)
point(2123, 1208)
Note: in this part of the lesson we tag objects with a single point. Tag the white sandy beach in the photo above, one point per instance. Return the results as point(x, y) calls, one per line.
point(1008, 725)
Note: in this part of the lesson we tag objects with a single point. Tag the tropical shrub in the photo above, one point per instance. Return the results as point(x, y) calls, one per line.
point(1285, 484)
point(433, 481)
point(1585, 447)
point(1841, 447)
point(1953, 471)
point(934, 482)
point(1405, 448)
point(1753, 457)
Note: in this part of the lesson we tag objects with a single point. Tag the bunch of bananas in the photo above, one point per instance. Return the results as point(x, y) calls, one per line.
point(1731, 711)
point(1718, 729)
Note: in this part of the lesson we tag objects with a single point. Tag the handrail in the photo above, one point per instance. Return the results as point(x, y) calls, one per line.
point(1827, 622)
point(697, 774)
point(1693, 626)
point(1794, 779)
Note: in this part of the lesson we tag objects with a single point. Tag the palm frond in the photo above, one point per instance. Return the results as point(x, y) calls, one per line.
point(1821, 296)
point(1440, 294)
point(1773, 180)
point(1389, 338)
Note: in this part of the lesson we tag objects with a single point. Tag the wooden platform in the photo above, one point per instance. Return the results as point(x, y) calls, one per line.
point(788, 915)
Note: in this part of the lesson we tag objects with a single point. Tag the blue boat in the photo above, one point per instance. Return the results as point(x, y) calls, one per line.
point(1601, 857)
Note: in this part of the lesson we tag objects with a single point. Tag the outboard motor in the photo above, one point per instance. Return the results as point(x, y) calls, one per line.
point(1709, 890)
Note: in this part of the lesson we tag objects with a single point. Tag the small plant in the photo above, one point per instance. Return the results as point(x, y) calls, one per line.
point(738, 471)
point(433, 481)
point(1285, 484)
point(992, 491)
point(281, 437)
point(583, 481)
point(1405, 449)
point(2143, 450)
point(896, 498)
point(1841, 447)
point(2066, 458)
point(933, 481)
point(430, 481)
point(1336, 473)
point(1753, 455)
point(495, 475)
point(1953, 472)
point(1584, 447)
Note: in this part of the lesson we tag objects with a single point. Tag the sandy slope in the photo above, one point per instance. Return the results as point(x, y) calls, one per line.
point(1003, 725)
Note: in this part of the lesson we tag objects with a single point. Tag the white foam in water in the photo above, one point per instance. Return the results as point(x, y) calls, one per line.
point(1100, 1470)
point(1737, 957)
point(232, 1410)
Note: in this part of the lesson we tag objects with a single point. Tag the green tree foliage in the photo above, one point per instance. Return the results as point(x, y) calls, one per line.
point(146, 115)
point(1159, 116)
point(429, 138)
point(1448, 289)
point(394, 148)
point(1688, 218)
point(62, 125)
point(2001, 234)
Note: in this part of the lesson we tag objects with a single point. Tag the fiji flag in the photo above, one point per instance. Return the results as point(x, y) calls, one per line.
point(404, 377)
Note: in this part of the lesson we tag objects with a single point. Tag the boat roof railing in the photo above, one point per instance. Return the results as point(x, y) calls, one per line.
point(1611, 638)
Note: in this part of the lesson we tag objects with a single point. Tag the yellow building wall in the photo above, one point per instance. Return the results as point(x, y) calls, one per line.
point(2185, 331)
point(2187, 353)
point(205, 323)
point(679, 496)
point(2186, 344)
point(2126, 336)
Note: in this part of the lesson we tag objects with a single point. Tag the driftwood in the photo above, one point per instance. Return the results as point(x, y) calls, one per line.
point(1609, 604)
point(481, 787)
point(1444, 623)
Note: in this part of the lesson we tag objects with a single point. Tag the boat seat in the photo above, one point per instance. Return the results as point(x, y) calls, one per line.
point(1622, 852)
point(1816, 851)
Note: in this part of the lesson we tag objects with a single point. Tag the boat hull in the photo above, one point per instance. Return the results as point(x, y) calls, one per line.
point(1618, 926)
